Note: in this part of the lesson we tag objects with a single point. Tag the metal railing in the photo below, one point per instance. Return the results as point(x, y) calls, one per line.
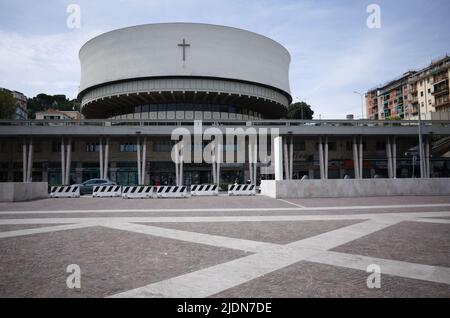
point(185, 122)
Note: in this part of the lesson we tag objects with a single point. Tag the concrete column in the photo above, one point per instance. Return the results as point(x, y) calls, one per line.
point(427, 157)
point(325, 161)
point(322, 173)
point(389, 156)
point(255, 162)
point(106, 165)
point(286, 160)
point(218, 161)
point(421, 150)
point(181, 163)
point(30, 161)
point(361, 167)
point(177, 158)
point(430, 163)
point(144, 160)
point(69, 157)
point(277, 156)
point(355, 158)
point(63, 162)
point(213, 161)
point(24, 161)
point(291, 159)
point(250, 159)
point(100, 151)
point(138, 153)
point(149, 167)
point(394, 157)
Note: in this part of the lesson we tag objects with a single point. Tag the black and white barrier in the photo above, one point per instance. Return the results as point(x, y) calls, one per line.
point(72, 191)
point(107, 191)
point(137, 192)
point(172, 192)
point(241, 189)
point(204, 190)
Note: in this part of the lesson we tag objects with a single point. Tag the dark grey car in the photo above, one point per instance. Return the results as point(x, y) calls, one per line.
point(88, 186)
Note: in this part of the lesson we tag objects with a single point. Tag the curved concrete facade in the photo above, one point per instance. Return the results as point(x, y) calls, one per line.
point(147, 60)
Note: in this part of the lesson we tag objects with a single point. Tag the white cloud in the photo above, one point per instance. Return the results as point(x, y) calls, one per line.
point(36, 63)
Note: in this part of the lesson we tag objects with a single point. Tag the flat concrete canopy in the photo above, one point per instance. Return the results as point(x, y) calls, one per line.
point(165, 127)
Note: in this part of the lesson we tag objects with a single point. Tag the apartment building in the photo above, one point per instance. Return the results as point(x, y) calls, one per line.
point(21, 104)
point(429, 91)
point(426, 89)
point(388, 101)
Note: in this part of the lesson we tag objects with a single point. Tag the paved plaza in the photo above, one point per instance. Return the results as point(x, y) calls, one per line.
point(226, 247)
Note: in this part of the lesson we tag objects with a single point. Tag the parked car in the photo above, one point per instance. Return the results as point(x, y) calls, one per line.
point(88, 186)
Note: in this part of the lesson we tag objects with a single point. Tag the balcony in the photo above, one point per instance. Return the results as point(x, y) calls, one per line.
point(413, 109)
point(440, 77)
point(441, 90)
point(442, 101)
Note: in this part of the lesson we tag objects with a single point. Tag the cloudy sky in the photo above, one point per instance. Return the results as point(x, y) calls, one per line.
point(333, 51)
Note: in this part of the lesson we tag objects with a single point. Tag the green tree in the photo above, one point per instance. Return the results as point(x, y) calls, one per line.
point(42, 102)
point(7, 105)
point(76, 105)
point(300, 110)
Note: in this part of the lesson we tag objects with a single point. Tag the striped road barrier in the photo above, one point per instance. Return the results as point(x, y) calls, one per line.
point(72, 191)
point(172, 192)
point(241, 189)
point(204, 189)
point(137, 192)
point(107, 191)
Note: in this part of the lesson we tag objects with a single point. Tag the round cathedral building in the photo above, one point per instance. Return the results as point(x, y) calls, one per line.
point(184, 71)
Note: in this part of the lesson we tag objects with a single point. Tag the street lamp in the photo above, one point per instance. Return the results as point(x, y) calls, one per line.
point(421, 152)
point(362, 103)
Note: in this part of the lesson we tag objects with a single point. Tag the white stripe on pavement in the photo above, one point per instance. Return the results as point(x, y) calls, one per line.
point(429, 273)
point(329, 208)
point(215, 279)
point(291, 203)
point(193, 237)
point(46, 229)
point(431, 220)
point(202, 219)
point(341, 236)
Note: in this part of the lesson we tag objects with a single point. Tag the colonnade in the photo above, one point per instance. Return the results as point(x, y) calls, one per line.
point(282, 157)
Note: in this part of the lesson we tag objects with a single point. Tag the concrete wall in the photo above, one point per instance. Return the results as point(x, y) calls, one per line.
point(354, 188)
point(19, 191)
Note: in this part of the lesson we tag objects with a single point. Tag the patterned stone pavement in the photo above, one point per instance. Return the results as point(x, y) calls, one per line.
point(308, 279)
point(226, 247)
